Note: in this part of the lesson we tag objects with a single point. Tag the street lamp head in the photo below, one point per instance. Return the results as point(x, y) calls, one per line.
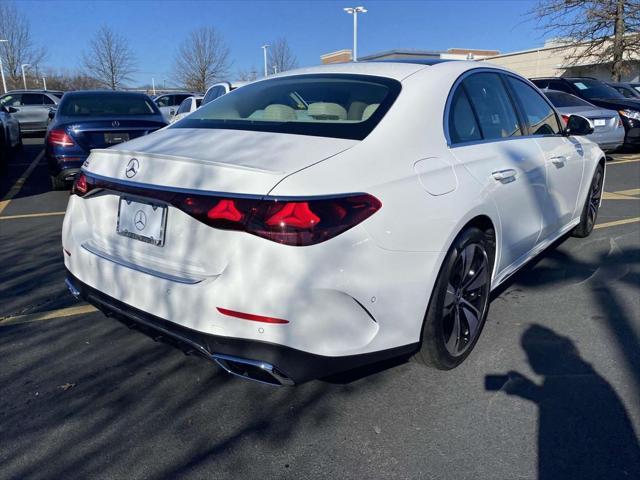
point(361, 10)
point(352, 10)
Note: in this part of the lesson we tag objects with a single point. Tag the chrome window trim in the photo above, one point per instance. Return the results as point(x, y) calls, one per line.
point(516, 106)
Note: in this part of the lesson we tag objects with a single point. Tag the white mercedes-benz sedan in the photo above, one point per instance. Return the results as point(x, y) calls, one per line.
point(330, 217)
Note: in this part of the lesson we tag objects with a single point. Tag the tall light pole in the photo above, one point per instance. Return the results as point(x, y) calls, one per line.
point(355, 11)
point(4, 82)
point(264, 51)
point(24, 79)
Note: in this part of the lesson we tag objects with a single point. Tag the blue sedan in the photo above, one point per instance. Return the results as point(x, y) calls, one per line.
point(86, 120)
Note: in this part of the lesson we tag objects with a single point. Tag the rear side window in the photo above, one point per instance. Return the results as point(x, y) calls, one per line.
point(541, 118)
point(185, 106)
point(11, 100)
point(462, 122)
point(492, 105)
point(32, 99)
point(214, 93)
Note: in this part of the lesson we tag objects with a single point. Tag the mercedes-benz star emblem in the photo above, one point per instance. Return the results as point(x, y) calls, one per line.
point(140, 220)
point(115, 123)
point(132, 168)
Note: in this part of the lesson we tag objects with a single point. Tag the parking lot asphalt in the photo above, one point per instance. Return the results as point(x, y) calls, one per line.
point(552, 389)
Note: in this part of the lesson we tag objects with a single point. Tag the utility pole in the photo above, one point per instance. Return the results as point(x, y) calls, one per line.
point(153, 85)
point(24, 79)
point(264, 49)
point(44, 82)
point(355, 11)
point(4, 82)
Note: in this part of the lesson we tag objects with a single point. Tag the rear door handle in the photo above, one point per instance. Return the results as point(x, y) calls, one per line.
point(502, 175)
point(558, 161)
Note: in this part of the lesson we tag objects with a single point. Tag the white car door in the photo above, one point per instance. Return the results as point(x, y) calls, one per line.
point(562, 155)
point(486, 137)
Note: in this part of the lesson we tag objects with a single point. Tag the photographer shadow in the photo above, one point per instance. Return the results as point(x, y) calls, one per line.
point(584, 431)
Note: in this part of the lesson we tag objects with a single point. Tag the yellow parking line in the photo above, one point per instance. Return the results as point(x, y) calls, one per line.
point(50, 315)
point(31, 215)
point(615, 223)
point(631, 191)
point(20, 182)
point(611, 196)
point(618, 162)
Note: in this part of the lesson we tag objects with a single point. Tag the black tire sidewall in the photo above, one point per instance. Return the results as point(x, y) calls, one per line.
point(433, 351)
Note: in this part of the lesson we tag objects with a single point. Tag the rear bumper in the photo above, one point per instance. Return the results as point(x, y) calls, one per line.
point(292, 365)
point(64, 166)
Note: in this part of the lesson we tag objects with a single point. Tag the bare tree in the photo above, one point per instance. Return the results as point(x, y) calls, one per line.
point(247, 75)
point(281, 58)
point(603, 31)
point(19, 47)
point(109, 59)
point(202, 58)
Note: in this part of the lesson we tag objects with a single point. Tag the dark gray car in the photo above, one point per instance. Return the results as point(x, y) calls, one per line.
point(31, 108)
point(608, 131)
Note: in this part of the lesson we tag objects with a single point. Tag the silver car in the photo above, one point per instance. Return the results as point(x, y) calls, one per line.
point(608, 131)
point(31, 108)
point(169, 103)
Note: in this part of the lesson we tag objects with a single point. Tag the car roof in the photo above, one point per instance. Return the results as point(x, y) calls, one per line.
point(105, 92)
point(32, 90)
point(394, 69)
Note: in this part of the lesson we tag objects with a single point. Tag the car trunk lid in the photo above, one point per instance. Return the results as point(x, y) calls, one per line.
point(210, 160)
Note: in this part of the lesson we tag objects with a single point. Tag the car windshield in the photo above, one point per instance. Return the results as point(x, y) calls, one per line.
point(91, 105)
point(341, 106)
point(561, 99)
point(595, 89)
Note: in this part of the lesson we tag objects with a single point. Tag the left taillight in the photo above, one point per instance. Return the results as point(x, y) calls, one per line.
point(59, 138)
point(81, 185)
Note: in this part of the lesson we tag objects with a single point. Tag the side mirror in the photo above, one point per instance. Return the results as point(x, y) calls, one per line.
point(578, 125)
point(12, 109)
point(52, 113)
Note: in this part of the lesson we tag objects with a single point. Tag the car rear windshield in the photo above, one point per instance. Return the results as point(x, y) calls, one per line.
point(561, 99)
point(88, 105)
point(595, 89)
point(340, 106)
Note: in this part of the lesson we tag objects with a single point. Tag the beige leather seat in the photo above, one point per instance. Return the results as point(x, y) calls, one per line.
point(327, 111)
point(369, 111)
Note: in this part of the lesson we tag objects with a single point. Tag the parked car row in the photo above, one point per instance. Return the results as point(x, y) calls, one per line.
point(599, 95)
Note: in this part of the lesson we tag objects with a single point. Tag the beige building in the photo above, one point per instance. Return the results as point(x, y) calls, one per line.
point(554, 60)
point(450, 54)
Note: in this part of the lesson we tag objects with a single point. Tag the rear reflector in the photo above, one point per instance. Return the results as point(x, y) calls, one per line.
point(251, 317)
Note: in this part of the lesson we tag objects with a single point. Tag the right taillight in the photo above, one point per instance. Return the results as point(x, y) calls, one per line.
point(298, 222)
point(59, 138)
point(565, 119)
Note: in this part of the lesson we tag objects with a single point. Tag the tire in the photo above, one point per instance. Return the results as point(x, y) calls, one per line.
point(460, 299)
point(58, 183)
point(589, 213)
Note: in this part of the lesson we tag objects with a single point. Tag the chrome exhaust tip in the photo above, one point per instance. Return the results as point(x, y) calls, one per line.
point(72, 288)
point(257, 371)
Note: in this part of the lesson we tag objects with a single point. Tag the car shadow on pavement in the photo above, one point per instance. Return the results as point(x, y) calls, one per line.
point(584, 430)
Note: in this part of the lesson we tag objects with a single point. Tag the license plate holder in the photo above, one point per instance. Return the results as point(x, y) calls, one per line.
point(142, 221)
point(599, 122)
point(113, 138)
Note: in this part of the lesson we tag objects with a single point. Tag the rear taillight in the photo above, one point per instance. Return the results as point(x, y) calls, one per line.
point(290, 222)
point(81, 185)
point(565, 119)
point(59, 138)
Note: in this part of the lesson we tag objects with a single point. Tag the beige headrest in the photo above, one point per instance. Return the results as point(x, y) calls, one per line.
point(369, 110)
point(327, 111)
point(279, 112)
